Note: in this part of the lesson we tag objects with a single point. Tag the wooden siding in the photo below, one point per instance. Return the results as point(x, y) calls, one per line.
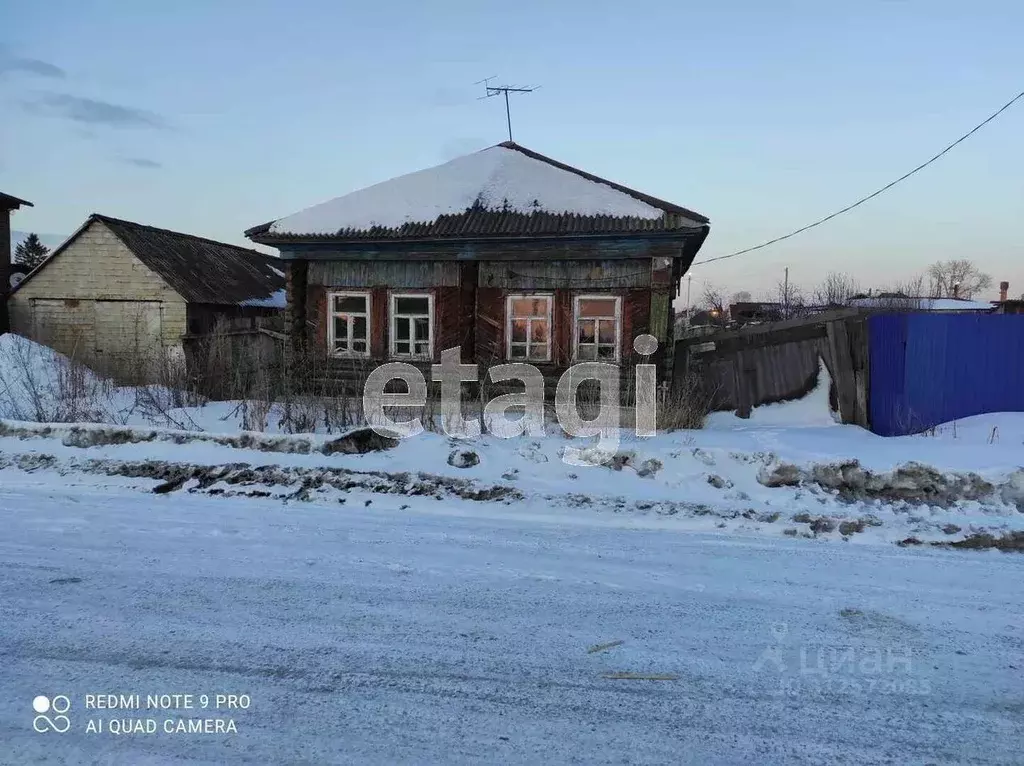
point(540, 275)
point(584, 248)
point(96, 279)
point(341, 274)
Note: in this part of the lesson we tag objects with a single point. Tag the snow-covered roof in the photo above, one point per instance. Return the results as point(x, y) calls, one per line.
point(922, 304)
point(277, 300)
point(505, 189)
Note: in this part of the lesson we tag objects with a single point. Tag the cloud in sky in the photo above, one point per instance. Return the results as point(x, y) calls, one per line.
point(142, 162)
point(19, 65)
point(90, 111)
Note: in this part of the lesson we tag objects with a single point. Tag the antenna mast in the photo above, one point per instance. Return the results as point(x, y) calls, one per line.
point(494, 90)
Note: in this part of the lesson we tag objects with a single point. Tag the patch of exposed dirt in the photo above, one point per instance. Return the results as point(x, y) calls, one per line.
point(911, 483)
point(1009, 542)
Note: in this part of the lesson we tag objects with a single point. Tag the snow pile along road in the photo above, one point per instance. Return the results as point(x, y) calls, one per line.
point(788, 470)
point(706, 488)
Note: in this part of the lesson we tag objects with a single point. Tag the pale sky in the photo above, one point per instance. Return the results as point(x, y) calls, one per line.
point(210, 117)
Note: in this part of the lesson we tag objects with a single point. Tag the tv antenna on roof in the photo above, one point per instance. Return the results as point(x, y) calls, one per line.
point(494, 90)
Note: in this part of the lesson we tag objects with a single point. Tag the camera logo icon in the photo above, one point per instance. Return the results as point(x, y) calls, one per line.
point(50, 714)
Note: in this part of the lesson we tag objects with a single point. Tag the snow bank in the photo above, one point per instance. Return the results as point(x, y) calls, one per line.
point(38, 384)
point(497, 178)
point(812, 410)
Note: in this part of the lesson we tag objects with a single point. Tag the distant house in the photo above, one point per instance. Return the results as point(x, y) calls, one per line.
point(505, 253)
point(748, 312)
point(116, 289)
point(8, 205)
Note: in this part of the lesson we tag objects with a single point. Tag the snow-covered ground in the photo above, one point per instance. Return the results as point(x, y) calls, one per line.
point(443, 633)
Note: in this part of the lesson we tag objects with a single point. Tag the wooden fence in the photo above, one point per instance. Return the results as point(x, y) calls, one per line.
point(773, 362)
point(237, 354)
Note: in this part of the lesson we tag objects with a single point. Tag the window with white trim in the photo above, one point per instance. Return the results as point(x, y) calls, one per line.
point(528, 327)
point(598, 320)
point(348, 324)
point(412, 325)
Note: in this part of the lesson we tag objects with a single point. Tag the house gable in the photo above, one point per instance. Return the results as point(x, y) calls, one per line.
point(94, 264)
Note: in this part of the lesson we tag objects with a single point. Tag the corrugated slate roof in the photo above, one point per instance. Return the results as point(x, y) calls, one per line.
point(199, 270)
point(490, 219)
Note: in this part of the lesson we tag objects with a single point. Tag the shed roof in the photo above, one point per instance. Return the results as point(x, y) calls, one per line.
point(503, 191)
point(7, 202)
point(200, 270)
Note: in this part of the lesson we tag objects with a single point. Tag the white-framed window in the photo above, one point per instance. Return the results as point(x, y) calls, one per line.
point(412, 325)
point(528, 328)
point(598, 328)
point(348, 324)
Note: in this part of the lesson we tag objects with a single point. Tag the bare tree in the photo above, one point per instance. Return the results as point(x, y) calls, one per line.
point(791, 298)
point(742, 297)
point(836, 289)
point(958, 278)
point(713, 299)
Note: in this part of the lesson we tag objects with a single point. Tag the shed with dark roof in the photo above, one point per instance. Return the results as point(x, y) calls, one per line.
point(117, 291)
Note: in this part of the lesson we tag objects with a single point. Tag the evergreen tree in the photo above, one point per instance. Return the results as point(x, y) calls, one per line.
point(30, 252)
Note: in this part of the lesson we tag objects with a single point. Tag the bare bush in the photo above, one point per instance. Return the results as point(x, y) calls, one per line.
point(687, 404)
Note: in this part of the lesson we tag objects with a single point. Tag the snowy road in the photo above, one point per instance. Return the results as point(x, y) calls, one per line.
point(447, 634)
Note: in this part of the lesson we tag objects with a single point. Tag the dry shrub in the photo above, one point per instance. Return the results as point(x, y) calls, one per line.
point(687, 404)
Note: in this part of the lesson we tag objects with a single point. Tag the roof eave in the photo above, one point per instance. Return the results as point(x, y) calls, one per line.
point(264, 237)
point(9, 202)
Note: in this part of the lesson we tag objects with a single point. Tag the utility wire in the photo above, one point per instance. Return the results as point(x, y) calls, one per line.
point(885, 188)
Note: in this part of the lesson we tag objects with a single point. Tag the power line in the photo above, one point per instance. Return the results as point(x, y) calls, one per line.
point(885, 188)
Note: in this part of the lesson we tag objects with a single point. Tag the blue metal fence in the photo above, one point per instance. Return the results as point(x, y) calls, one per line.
point(927, 369)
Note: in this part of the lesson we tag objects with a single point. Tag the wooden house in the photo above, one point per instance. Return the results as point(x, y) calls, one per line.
point(504, 253)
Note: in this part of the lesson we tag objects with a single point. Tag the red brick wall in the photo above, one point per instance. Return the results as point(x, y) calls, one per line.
point(636, 314)
point(380, 330)
point(490, 324)
point(447, 319)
